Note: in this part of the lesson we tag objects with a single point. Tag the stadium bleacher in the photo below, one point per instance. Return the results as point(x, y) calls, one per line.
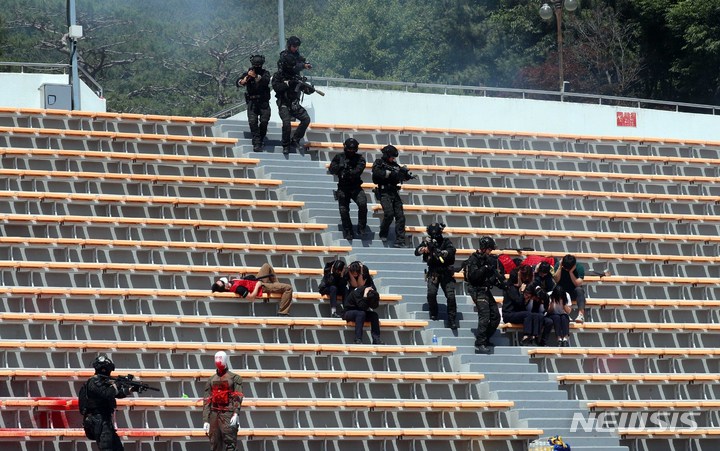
point(113, 226)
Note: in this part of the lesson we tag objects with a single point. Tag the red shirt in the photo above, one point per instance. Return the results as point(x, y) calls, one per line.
point(249, 284)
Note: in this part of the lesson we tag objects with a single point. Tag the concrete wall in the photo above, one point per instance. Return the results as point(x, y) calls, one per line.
point(374, 107)
point(23, 91)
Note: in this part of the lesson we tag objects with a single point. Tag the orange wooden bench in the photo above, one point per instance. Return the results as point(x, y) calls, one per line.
point(237, 348)
point(508, 134)
point(670, 433)
point(609, 215)
point(129, 156)
point(639, 378)
point(113, 136)
point(654, 405)
point(291, 434)
point(609, 236)
point(146, 244)
point(194, 320)
point(43, 196)
point(159, 222)
point(480, 151)
point(480, 190)
point(150, 178)
point(253, 374)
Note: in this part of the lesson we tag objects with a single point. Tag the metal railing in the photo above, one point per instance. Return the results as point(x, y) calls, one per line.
point(55, 67)
point(484, 91)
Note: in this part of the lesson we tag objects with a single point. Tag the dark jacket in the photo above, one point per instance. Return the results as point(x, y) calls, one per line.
point(513, 301)
point(287, 93)
point(331, 279)
point(348, 170)
point(386, 179)
point(101, 394)
point(258, 89)
point(299, 60)
point(446, 248)
point(355, 300)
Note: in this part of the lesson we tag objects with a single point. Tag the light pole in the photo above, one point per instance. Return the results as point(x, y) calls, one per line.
point(546, 12)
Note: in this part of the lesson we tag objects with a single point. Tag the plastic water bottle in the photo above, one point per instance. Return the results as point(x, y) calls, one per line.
point(434, 339)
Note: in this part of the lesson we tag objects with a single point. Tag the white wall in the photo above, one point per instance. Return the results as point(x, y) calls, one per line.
point(375, 107)
point(23, 91)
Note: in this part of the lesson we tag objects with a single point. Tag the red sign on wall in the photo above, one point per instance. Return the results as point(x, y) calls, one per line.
point(626, 119)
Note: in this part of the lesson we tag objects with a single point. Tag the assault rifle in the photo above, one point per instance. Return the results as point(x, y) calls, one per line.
point(602, 274)
point(130, 382)
point(518, 249)
point(303, 84)
point(431, 244)
point(403, 171)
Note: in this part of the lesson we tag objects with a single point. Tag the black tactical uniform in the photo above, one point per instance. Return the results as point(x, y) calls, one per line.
point(98, 416)
point(300, 61)
point(288, 92)
point(439, 254)
point(348, 167)
point(257, 99)
point(387, 176)
point(487, 308)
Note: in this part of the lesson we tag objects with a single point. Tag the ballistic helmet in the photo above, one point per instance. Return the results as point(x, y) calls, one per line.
point(103, 365)
point(351, 144)
point(288, 62)
point(257, 61)
point(389, 151)
point(486, 243)
point(293, 40)
point(435, 230)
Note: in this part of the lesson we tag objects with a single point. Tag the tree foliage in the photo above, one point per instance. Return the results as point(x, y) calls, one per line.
point(184, 59)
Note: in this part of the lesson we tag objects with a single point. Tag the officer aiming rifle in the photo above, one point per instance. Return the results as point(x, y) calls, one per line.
point(129, 382)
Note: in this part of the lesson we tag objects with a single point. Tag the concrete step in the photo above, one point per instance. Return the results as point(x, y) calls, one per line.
point(549, 396)
point(539, 385)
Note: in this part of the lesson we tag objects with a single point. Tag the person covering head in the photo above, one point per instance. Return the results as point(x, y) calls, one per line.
point(389, 151)
point(257, 61)
point(103, 365)
point(487, 242)
point(543, 268)
point(568, 262)
point(221, 361)
point(435, 230)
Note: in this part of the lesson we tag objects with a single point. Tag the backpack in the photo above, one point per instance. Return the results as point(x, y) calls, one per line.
point(83, 399)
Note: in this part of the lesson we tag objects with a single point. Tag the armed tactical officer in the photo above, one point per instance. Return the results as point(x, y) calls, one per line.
point(97, 405)
point(257, 99)
point(388, 175)
point(288, 91)
point(221, 406)
point(439, 254)
point(292, 47)
point(348, 167)
point(482, 272)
